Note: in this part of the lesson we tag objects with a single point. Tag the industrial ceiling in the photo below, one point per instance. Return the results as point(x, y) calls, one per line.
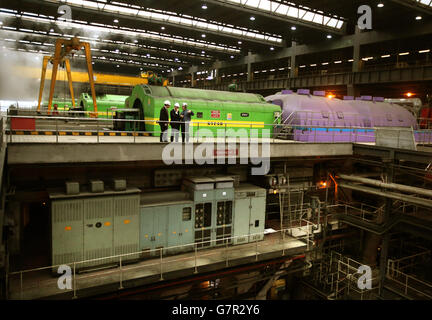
point(174, 35)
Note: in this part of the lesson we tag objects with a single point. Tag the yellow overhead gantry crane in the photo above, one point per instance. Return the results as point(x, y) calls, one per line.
point(63, 48)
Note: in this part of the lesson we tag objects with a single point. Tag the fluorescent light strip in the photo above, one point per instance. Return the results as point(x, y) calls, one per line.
point(117, 51)
point(404, 53)
point(386, 56)
point(427, 3)
point(93, 56)
point(290, 10)
point(424, 51)
point(109, 29)
point(170, 17)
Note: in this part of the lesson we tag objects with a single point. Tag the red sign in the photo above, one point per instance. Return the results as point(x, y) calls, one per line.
point(215, 114)
point(225, 152)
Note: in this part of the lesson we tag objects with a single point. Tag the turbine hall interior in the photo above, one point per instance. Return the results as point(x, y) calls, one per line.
point(215, 150)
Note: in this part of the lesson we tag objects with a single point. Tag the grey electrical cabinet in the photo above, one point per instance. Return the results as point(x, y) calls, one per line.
point(202, 192)
point(213, 197)
point(126, 224)
point(166, 221)
point(67, 231)
point(98, 229)
point(92, 226)
point(249, 213)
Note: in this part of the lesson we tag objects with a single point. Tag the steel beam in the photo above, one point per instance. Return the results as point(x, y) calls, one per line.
point(363, 38)
point(390, 153)
point(392, 195)
point(169, 41)
point(78, 8)
point(279, 17)
point(412, 4)
point(411, 74)
point(38, 37)
point(393, 186)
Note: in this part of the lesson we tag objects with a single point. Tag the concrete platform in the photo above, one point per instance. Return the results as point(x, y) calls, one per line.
point(28, 149)
point(43, 284)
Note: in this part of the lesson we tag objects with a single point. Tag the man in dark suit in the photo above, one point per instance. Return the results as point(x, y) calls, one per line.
point(175, 122)
point(163, 121)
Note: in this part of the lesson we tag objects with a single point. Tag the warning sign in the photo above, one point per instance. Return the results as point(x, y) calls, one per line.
point(215, 114)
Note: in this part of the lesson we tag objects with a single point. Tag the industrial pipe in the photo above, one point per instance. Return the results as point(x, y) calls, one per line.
point(393, 186)
point(392, 195)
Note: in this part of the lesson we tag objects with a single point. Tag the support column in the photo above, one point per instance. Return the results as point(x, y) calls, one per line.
point(249, 67)
point(352, 90)
point(389, 174)
point(294, 70)
point(217, 77)
point(192, 79)
point(173, 81)
point(356, 51)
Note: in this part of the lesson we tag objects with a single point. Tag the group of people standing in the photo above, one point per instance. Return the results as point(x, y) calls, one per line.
point(179, 120)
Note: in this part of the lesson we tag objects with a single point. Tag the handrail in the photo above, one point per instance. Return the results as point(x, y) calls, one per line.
point(307, 239)
point(347, 134)
point(153, 250)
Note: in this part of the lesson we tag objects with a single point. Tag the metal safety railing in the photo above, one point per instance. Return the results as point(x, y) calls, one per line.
point(407, 284)
point(346, 282)
point(57, 126)
point(159, 261)
point(366, 212)
point(402, 264)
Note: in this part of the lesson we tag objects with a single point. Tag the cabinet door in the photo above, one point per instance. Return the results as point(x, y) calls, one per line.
point(98, 229)
point(223, 221)
point(160, 227)
point(67, 231)
point(203, 224)
point(257, 218)
point(147, 237)
point(126, 225)
point(186, 227)
point(173, 236)
point(241, 220)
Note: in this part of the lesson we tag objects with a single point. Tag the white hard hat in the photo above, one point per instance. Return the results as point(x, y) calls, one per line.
point(177, 105)
point(167, 103)
point(184, 104)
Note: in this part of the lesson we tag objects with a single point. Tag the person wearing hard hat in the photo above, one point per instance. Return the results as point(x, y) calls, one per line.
point(163, 121)
point(185, 116)
point(175, 122)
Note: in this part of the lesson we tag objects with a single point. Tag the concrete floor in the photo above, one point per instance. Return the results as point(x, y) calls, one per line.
point(43, 284)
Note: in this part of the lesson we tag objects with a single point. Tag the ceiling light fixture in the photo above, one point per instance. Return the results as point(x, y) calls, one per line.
point(418, 18)
point(204, 6)
point(252, 18)
point(116, 21)
point(329, 36)
point(293, 28)
point(380, 5)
